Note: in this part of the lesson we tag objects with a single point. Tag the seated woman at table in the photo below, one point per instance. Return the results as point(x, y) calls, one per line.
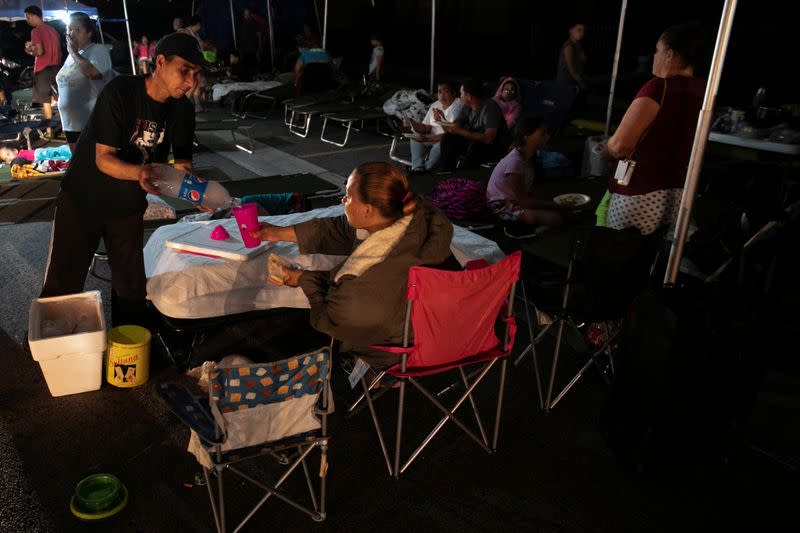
point(385, 230)
point(657, 132)
point(508, 194)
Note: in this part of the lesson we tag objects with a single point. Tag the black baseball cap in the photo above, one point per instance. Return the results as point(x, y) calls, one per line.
point(182, 45)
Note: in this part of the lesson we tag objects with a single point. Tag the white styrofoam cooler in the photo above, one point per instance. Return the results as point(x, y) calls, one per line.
point(70, 363)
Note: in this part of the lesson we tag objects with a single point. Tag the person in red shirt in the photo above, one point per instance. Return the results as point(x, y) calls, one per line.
point(657, 132)
point(45, 47)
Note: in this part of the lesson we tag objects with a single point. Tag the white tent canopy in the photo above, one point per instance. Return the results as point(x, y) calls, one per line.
point(11, 10)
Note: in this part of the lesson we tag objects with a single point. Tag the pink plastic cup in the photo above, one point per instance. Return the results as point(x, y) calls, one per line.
point(247, 220)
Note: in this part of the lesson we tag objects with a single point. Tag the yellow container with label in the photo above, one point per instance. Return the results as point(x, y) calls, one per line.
point(128, 356)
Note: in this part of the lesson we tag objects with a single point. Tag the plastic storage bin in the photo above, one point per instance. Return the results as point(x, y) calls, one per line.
point(67, 337)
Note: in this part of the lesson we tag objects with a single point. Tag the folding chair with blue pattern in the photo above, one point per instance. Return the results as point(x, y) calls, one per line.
point(260, 410)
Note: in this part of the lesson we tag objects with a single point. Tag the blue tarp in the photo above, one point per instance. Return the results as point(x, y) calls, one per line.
point(53, 9)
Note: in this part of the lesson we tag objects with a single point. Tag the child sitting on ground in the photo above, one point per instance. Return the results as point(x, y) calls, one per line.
point(508, 193)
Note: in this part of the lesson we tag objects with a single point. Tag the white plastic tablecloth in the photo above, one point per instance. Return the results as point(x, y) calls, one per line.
point(193, 286)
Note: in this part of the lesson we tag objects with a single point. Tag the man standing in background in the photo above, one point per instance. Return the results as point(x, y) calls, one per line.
point(252, 41)
point(45, 47)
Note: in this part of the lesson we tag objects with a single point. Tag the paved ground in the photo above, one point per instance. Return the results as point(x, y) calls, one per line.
point(552, 473)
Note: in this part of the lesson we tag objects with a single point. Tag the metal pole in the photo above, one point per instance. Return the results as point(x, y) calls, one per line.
point(100, 29)
point(272, 34)
point(433, 39)
point(316, 13)
point(700, 140)
point(128, 29)
point(616, 64)
point(325, 26)
point(233, 24)
point(192, 7)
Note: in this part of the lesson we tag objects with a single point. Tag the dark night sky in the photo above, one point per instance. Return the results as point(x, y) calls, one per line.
point(491, 38)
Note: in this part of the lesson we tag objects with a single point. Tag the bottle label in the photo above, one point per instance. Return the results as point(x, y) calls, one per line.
point(193, 189)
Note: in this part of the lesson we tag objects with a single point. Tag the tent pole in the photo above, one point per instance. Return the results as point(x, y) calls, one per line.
point(272, 34)
point(700, 141)
point(325, 27)
point(316, 12)
point(128, 29)
point(433, 40)
point(615, 68)
point(100, 29)
point(233, 24)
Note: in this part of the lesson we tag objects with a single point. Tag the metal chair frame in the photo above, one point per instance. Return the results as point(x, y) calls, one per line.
point(562, 317)
point(469, 382)
point(317, 496)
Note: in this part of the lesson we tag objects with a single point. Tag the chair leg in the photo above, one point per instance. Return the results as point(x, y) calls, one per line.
point(213, 500)
point(559, 336)
point(221, 494)
point(372, 385)
point(310, 485)
point(323, 478)
point(377, 425)
point(532, 346)
point(393, 149)
point(448, 416)
point(399, 433)
point(273, 491)
point(474, 405)
point(592, 360)
point(499, 403)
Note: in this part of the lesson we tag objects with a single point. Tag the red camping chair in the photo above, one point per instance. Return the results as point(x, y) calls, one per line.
point(453, 316)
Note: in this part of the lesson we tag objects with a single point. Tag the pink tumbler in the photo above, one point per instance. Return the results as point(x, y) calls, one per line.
point(247, 220)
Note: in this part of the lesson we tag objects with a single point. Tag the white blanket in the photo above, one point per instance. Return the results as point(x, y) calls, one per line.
point(221, 89)
point(194, 286)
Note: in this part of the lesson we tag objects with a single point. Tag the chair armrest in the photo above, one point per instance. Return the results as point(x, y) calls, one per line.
point(191, 410)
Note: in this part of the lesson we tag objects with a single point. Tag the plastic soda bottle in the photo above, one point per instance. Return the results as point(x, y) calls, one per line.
point(180, 184)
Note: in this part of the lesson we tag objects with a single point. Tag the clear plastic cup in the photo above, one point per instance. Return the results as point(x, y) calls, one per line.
point(247, 220)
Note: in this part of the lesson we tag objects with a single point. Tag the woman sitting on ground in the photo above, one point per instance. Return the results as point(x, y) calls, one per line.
point(385, 230)
point(508, 194)
point(509, 99)
point(425, 149)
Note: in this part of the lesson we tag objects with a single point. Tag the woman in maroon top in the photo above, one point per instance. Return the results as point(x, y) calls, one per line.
point(657, 132)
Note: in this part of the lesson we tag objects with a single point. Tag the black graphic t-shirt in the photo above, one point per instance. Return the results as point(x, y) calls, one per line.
point(142, 130)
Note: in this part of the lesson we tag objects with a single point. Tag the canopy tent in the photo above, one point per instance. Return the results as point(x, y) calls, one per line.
point(11, 10)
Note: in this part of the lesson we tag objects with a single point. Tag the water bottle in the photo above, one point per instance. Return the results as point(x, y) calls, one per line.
point(182, 185)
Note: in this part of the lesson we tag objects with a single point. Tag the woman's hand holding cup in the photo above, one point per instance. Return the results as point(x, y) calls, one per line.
point(263, 232)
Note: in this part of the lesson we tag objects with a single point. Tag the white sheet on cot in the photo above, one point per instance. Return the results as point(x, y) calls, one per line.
point(193, 286)
point(218, 90)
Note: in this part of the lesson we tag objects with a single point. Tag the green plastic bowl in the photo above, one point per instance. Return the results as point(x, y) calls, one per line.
point(98, 492)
